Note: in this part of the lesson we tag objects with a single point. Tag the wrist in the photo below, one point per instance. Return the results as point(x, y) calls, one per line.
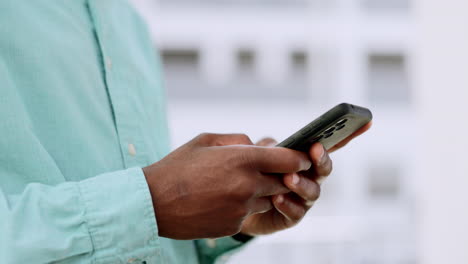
point(147, 173)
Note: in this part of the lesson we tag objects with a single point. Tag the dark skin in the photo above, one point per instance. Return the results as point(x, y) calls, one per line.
point(220, 185)
point(290, 208)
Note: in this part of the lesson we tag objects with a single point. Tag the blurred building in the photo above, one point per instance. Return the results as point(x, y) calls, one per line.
point(268, 67)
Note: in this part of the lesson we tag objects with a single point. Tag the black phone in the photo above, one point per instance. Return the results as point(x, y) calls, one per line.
point(329, 129)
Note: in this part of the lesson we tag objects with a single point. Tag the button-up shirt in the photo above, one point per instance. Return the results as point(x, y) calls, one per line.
point(81, 112)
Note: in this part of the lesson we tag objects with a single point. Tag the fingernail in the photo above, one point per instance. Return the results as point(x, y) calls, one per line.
point(306, 165)
point(322, 154)
point(295, 179)
point(280, 198)
point(320, 180)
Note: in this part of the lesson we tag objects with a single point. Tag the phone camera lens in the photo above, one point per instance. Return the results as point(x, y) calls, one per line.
point(329, 130)
point(341, 122)
point(340, 127)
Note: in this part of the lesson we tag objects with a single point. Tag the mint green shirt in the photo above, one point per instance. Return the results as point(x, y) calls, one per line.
point(81, 112)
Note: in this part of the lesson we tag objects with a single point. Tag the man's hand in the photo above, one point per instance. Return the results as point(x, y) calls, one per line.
point(209, 186)
point(290, 208)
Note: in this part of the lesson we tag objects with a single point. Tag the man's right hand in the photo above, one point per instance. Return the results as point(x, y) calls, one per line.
point(207, 187)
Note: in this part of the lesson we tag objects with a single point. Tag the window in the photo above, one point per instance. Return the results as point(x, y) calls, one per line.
point(384, 181)
point(246, 64)
point(244, 83)
point(247, 82)
point(298, 82)
point(181, 72)
point(184, 79)
point(387, 79)
point(299, 63)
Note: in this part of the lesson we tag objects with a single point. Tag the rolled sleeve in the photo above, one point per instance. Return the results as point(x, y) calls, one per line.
point(120, 217)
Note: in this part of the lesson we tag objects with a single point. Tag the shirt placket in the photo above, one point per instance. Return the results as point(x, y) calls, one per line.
point(120, 95)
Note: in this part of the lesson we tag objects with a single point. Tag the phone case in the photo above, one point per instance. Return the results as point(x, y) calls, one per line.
point(329, 129)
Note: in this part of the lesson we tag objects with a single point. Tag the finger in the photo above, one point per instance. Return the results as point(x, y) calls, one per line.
point(270, 184)
point(277, 160)
point(306, 188)
point(267, 142)
point(261, 205)
point(208, 139)
point(322, 163)
point(232, 139)
point(291, 209)
point(299, 200)
point(359, 132)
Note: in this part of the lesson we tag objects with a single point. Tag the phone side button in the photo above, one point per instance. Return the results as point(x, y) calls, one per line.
point(306, 130)
point(288, 142)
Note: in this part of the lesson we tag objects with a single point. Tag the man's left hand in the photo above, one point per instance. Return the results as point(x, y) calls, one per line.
point(290, 208)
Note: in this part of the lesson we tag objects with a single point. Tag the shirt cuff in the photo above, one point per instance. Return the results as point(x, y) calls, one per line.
point(120, 217)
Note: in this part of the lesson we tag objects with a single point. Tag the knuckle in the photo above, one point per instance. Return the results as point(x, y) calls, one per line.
point(327, 168)
point(267, 142)
point(243, 139)
point(314, 193)
point(298, 215)
point(232, 139)
point(205, 138)
point(204, 135)
point(270, 139)
point(245, 157)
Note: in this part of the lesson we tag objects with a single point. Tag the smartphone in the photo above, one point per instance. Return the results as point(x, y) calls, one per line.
point(330, 128)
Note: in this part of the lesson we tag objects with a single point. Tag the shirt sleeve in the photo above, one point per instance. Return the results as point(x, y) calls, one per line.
point(217, 250)
point(108, 218)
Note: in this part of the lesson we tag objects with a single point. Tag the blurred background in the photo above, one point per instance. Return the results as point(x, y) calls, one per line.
point(268, 67)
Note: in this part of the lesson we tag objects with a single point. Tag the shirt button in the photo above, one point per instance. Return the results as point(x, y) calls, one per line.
point(131, 149)
point(109, 63)
point(211, 243)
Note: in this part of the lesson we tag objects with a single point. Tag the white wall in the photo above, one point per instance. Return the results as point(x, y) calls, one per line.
point(441, 72)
